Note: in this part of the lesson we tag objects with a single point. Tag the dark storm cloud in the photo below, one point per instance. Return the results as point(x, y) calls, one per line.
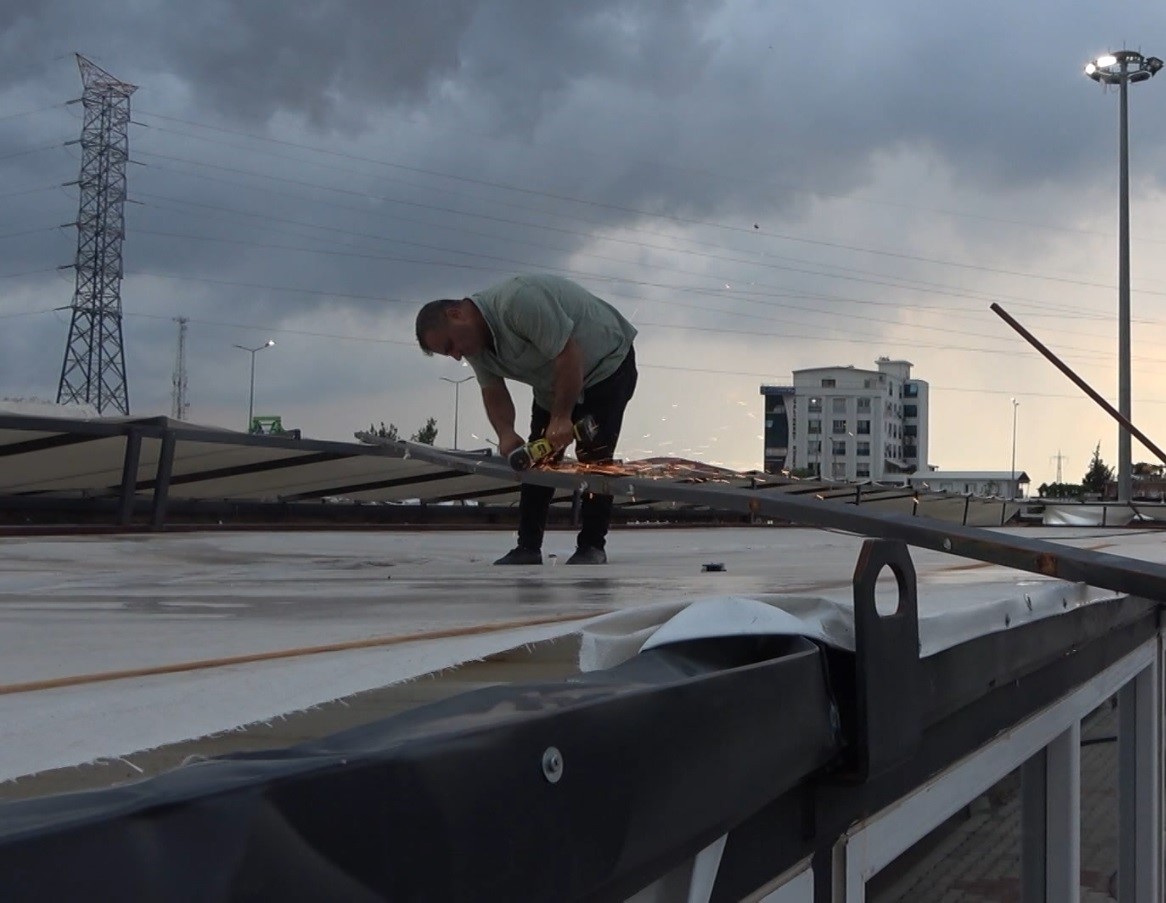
point(691, 104)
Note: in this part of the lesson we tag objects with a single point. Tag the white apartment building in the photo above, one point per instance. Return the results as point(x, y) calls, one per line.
point(848, 424)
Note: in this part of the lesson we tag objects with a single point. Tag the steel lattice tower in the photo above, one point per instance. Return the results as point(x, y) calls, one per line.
point(94, 368)
point(178, 396)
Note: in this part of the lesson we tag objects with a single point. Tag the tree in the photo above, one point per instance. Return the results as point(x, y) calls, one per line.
point(427, 434)
point(1098, 477)
point(1144, 469)
point(385, 433)
point(1060, 490)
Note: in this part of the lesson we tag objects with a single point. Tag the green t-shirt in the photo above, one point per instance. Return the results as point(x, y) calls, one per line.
point(531, 318)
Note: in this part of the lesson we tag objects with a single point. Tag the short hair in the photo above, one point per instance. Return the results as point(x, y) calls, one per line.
point(432, 316)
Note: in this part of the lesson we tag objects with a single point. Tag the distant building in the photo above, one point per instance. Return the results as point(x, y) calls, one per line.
point(843, 423)
point(987, 483)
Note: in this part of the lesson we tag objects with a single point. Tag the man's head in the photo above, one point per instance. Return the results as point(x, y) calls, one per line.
point(453, 327)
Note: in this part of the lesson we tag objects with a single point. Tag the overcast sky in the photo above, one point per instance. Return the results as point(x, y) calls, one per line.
point(759, 186)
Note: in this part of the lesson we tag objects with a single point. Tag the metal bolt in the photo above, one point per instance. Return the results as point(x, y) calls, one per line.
point(947, 545)
point(552, 764)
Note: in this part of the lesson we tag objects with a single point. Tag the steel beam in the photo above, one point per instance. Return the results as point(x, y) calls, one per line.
point(1124, 575)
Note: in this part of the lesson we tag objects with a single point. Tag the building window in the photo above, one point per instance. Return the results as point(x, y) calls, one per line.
point(815, 405)
point(814, 427)
point(862, 470)
point(911, 451)
point(910, 410)
point(910, 390)
point(814, 447)
point(838, 427)
point(868, 383)
point(838, 447)
point(863, 428)
point(862, 449)
point(864, 405)
point(827, 384)
point(910, 429)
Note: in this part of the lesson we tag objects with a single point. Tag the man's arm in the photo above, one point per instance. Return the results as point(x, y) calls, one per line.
point(568, 383)
point(500, 412)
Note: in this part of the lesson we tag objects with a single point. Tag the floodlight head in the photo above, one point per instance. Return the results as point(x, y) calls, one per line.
point(1121, 67)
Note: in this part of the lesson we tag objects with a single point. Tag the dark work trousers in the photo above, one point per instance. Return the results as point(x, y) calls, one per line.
point(605, 401)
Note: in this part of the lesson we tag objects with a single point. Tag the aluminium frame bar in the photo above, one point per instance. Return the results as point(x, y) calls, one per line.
point(1115, 572)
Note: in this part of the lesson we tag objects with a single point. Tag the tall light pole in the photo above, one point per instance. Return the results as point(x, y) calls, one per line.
point(1121, 68)
point(1012, 481)
point(251, 398)
point(457, 386)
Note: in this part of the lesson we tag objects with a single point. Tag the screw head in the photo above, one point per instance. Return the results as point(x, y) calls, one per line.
point(552, 764)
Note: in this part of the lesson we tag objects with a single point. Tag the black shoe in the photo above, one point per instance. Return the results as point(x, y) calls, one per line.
point(519, 555)
point(588, 555)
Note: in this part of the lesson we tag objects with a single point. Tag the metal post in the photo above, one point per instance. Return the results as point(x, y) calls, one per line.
point(251, 396)
point(1012, 478)
point(1139, 787)
point(129, 478)
point(1124, 454)
point(1063, 816)
point(1120, 68)
point(457, 385)
point(1033, 828)
point(162, 480)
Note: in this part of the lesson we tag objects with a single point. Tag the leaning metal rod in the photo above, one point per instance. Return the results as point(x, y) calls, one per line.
point(1081, 384)
point(1114, 572)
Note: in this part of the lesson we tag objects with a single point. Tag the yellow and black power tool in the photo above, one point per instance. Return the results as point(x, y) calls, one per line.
point(538, 450)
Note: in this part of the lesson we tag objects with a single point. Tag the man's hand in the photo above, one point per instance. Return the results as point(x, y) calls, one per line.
point(508, 442)
point(560, 432)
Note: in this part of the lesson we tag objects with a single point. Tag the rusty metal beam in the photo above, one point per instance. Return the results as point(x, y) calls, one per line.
point(1114, 572)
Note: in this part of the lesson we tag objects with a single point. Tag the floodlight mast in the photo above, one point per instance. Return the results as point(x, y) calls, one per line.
point(1121, 68)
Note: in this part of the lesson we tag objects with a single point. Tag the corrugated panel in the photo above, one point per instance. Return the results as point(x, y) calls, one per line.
point(52, 455)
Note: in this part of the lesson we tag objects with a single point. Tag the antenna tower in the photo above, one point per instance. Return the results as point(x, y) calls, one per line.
point(94, 368)
point(180, 404)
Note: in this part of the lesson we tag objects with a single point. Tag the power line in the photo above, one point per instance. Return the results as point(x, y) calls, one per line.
point(648, 365)
point(645, 214)
point(517, 263)
point(55, 106)
point(1058, 310)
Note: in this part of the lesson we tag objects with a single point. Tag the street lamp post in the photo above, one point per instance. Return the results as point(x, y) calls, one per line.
point(1121, 68)
point(251, 397)
point(457, 385)
point(1012, 481)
